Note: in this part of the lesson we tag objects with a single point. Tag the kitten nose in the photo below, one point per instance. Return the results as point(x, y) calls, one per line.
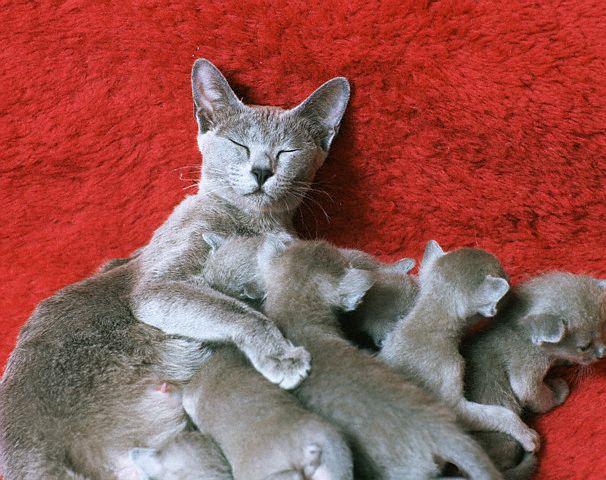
point(261, 174)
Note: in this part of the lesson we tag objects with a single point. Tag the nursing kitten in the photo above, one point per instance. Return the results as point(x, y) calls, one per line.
point(395, 430)
point(454, 288)
point(263, 431)
point(87, 381)
point(550, 318)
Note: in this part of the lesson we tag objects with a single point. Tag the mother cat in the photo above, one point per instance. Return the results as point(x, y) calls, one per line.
point(87, 381)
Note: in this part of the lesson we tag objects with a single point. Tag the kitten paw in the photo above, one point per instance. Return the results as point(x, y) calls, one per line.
point(530, 440)
point(287, 368)
point(560, 390)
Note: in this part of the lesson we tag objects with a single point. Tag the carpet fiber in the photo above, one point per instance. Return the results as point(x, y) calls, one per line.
point(477, 123)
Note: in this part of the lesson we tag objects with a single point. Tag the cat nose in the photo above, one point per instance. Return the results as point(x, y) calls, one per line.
point(261, 174)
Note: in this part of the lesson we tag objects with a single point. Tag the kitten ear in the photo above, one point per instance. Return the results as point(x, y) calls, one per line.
point(326, 107)
point(352, 288)
point(401, 267)
point(147, 462)
point(214, 240)
point(273, 245)
point(433, 251)
point(546, 328)
point(211, 93)
point(491, 290)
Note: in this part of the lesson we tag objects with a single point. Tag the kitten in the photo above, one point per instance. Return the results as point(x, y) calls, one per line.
point(395, 430)
point(85, 383)
point(553, 317)
point(263, 431)
point(454, 288)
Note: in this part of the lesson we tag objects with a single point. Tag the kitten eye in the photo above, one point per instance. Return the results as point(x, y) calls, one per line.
point(240, 145)
point(584, 348)
point(286, 151)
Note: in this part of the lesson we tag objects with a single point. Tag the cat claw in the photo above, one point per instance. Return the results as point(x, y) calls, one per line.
point(287, 368)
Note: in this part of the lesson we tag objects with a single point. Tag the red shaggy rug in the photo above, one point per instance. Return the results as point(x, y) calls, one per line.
point(471, 122)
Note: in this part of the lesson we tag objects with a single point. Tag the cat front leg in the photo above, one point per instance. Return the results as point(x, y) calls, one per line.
point(480, 417)
point(199, 312)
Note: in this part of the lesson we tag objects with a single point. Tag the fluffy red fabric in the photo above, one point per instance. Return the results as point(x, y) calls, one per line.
point(471, 122)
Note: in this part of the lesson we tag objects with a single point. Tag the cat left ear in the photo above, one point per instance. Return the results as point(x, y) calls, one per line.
point(401, 267)
point(352, 288)
point(325, 107)
point(546, 329)
point(214, 240)
point(273, 245)
point(147, 462)
point(490, 291)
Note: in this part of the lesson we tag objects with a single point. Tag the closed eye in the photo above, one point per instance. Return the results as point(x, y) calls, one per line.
point(286, 151)
point(584, 348)
point(240, 145)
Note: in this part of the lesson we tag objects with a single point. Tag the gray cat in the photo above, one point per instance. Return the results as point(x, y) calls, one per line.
point(424, 346)
point(553, 317)
point(87, 381)
point(396, 431)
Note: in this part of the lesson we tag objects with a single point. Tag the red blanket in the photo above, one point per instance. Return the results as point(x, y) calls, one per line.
point(472, 122)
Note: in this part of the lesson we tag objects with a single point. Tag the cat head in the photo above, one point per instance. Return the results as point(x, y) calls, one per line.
point(315, 272)
point(233, 263)
point(262, 158)
point(565, 314)
point(472, 280)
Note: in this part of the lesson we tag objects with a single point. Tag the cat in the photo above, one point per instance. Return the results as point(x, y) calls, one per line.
point(553, 317)
point(396, 431)
point(87, 381)
point(454, 288)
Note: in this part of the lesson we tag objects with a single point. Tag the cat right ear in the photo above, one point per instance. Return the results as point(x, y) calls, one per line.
point(214, 240)
point(546, 328)
point(147, 462)
point(433, 251)
point(325, 107)
point(401, 267)
point(273, 245)
point(211, 93)
point(352, 288)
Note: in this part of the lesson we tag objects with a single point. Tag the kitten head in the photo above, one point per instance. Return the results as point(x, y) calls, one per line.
point(565, 315)
point(233, 263)
point(470, 279)
point(262, 158)
point(313, 272)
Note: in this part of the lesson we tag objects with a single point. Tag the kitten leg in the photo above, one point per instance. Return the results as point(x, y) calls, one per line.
point(481, 417)
point(201, 313)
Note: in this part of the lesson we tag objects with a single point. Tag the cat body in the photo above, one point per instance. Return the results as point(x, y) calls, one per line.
point(424, 346)
point(88, 382)
point(550, 318)
point(395, 430)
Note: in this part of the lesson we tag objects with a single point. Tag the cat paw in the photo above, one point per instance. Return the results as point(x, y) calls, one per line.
point(287, 368)
point(530, 440)
point(560, 390)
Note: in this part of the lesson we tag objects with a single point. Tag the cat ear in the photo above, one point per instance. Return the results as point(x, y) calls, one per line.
point(546, 328)
point(491, 290)
point(211, 93)
point(433, 251)
point(214, 240)
point(147, 462)
point(273, 245)
point(401, 267)
point(352, 288)
point(325, 107)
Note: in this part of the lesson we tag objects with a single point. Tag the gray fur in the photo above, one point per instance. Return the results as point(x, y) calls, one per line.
point(81, 388)
point(507, 363)
point(455, 287)
point(396, 431)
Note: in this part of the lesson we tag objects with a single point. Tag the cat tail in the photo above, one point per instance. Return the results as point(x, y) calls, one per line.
point(523, 470)
point(465, 453)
